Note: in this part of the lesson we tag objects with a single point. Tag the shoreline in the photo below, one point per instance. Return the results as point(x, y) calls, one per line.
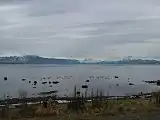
point(33, 100)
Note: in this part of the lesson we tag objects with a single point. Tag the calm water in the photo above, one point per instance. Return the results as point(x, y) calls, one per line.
point(80, 73)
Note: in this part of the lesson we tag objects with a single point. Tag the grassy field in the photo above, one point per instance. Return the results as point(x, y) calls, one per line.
point(79, 108)
point(97, 109)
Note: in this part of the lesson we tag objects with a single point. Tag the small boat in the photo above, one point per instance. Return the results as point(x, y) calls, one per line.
point(153, 82)
point(23, 79)
point(55, 82)
point(131, 84)
point(87, 80)
point(44, 82)
point(116, 77)
point(48, 93)
point(84, 86)
point(5, 78)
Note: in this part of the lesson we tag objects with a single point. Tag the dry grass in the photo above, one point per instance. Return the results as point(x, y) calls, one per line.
point(101, 108)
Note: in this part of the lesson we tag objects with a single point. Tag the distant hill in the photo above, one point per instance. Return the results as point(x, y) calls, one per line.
point(132, 62)
point(32, 59)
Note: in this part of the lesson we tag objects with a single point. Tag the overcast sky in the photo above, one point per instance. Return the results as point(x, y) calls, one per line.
point(99, 29)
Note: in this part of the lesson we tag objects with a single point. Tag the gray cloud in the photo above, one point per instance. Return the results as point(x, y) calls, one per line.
point(107, 29)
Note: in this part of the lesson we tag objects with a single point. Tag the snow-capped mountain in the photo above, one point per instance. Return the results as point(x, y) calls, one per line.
point(89, 61)
point(33, 59)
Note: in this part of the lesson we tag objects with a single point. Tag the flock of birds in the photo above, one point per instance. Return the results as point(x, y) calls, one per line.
point(50, 82)
point(44, 81)
point(108, 78)
point(157, 82)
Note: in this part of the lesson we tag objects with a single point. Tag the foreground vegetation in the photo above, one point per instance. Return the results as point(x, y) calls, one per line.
point(80, 109)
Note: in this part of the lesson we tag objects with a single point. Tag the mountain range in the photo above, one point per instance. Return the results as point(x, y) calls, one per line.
point(33, 59)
